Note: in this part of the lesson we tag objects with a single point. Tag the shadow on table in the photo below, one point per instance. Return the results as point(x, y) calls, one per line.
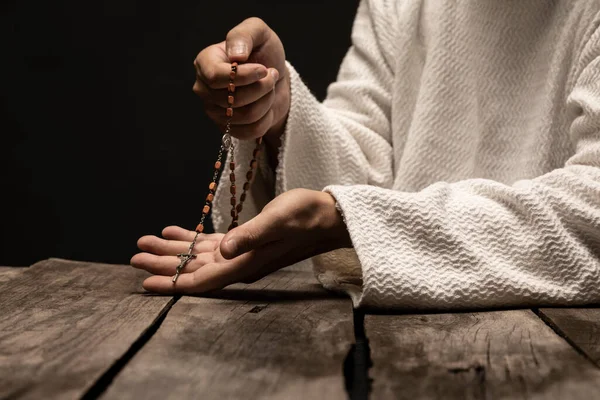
point(315, 292)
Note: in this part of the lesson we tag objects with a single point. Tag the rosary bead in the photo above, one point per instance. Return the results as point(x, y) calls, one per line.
point(231, 88)
point(218, 165)
point(212, 186)
point(230, 100)
point(206, 209)
point(200, 228)
point(232, 189)
point(234, 65)
point(253, 164)
point(232, 165)
point(243, 197)
point(230, 112)
point(233, 214)
point(246, 186)
point(239, 208)
point(232, 75)
point(232, 177)
point(232, 201)
point(210, 197)
point(255, 153)
point(249, 175)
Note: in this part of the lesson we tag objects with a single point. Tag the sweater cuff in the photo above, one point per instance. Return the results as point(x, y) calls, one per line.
point(360, 209)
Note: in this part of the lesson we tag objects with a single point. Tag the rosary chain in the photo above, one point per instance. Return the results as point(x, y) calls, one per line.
point(226, 146)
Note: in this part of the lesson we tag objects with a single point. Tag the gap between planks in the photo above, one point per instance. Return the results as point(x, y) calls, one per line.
point(100, 386)
point(564, 322)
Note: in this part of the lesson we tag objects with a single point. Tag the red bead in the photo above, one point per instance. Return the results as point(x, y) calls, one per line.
point(232, 189)
point(210, 197)
point(234, 64)
point(232, 177)
point(218, 165)
point(253, 164)
point(232, 165)
point(246, 186)
point(230, 100)
point(206, 209)
point(232, 201)
point(212, 186)
point(243, 197)
point(232, 75)
point(239, 208)
point(249, 175)
point(230, 112)
point(200, 228)
point(231, 88)
point(233, 214)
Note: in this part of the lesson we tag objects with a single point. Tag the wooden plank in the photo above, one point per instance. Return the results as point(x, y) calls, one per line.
point(580, 327)
point(64, 323)
point(281, 337)
point(502, 354)
point(8, 273)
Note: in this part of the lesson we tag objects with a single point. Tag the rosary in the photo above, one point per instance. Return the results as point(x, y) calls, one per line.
point(226, 145)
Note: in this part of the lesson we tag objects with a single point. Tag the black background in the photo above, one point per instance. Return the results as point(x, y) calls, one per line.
point(103, 139)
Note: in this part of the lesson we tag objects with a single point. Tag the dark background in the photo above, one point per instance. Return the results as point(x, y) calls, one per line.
point(102, 138)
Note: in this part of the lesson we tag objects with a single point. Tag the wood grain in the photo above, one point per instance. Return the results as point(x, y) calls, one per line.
point(64, 323)
point(580, 326)
point(8, 273)
point(502, 354)
point(281, 337)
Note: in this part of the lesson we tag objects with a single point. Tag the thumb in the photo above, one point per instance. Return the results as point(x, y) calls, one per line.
point(255, 233)
point(244, 38)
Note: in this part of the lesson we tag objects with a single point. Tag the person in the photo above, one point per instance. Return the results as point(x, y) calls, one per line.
point(455, 162)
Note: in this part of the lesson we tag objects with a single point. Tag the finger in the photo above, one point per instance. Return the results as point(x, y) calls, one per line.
point(241, 40)
point(213, 68)
point(178, 233)
point(245, 115)
point(249, 266)
point(165, 285)
point(251, 131)
point(266, 227)
point(166, 265)
point(210, 277)
point(163, 247)
point(243, 96)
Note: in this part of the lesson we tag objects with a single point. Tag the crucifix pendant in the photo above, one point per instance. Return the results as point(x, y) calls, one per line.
point(185, 259)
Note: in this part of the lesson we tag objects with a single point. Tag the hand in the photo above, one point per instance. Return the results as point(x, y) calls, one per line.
point(262, 94)
point(296, 225)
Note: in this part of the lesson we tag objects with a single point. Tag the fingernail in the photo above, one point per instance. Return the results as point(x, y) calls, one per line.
point(261, 73)
point(275, 74)
point(238, 49)
point(232, 246)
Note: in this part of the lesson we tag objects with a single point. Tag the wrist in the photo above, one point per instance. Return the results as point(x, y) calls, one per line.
point(334, 222)
point(281, 108)
point(272, 137)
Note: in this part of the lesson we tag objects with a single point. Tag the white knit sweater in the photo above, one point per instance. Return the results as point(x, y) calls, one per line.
point(461, 141)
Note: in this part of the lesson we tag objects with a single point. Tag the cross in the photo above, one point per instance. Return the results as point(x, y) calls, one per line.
point(185, 259)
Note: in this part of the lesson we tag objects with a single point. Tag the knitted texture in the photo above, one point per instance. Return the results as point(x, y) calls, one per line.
point(461, 141)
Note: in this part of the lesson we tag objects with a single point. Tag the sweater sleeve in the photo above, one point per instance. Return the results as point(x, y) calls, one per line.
point(480, 243)
point(344, 140)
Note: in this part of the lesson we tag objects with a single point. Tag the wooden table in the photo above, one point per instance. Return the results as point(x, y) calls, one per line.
point(83, 330)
